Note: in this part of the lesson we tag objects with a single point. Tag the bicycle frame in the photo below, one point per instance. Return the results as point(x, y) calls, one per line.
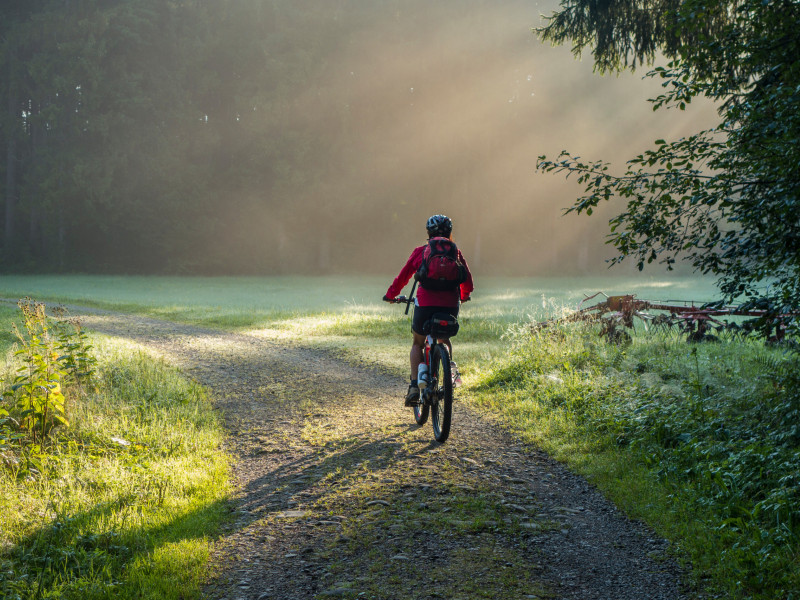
point(436, 397)
point(425, 394)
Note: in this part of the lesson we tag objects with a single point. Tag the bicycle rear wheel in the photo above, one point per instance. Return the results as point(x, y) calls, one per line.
point(421, 409)
point(442, 406)
point(421, 412)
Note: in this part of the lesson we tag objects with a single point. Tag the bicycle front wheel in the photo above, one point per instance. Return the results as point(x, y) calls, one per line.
point(442, 407)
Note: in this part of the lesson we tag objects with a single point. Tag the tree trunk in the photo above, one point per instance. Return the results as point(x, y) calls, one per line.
point(9, 247)
point(34, 232)
point(37, 240)
point(61, 248)
point(11, 195)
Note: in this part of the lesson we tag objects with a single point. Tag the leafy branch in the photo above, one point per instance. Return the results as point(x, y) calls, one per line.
point(725, 199)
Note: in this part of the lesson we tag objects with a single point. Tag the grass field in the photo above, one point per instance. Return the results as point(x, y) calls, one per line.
point(341, 312)
point(344, 313)
point(244, 302)
point(697, 440)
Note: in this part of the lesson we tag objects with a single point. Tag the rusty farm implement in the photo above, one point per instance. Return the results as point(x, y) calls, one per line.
point(697, 321)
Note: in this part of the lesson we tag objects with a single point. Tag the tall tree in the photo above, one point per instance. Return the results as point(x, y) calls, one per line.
point(726, 199)
point(12, 15)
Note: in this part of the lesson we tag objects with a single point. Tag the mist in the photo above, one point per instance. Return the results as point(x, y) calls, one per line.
point(447, 114)
point(323, 134)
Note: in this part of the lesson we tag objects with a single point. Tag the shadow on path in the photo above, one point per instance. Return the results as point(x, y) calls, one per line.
point(340, 495)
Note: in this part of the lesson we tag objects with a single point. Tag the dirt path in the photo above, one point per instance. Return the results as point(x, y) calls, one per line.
point(341, 495)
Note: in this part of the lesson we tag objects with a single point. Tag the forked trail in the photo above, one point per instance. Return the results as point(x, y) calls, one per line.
point(339, 494)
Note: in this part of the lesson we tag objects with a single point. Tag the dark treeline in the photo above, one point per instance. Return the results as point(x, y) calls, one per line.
point(135, 132)
point(263, 136)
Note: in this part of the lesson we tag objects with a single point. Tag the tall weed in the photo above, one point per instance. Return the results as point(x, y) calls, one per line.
point(36, 389)
point(54, 364)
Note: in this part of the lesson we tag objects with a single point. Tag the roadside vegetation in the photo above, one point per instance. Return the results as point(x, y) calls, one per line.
point(701, 441)
point(111, 473)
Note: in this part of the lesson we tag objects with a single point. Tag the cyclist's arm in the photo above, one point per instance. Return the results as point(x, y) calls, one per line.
point(406, 273)
point(468, 286)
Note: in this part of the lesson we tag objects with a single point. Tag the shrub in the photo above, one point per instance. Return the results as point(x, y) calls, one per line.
point(53, 356)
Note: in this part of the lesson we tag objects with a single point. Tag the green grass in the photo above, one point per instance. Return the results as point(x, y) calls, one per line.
point(700, 441)
point(343, 313)
point(122, 503)
point(8, 315)
point(260, 302)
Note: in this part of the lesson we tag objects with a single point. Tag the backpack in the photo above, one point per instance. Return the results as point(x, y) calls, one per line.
point(440, 269)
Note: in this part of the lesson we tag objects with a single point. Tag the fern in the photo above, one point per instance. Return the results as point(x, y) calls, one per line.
point(776, 367)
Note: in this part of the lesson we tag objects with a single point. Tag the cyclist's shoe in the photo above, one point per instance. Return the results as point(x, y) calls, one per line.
point(455, 374)
point(412, 397)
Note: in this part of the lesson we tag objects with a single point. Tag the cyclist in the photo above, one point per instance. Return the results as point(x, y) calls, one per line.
point(429, 301)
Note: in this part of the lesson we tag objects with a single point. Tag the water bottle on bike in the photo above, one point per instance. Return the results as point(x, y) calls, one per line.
point(422, 376)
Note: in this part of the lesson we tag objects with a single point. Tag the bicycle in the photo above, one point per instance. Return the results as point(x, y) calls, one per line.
point(436, 394)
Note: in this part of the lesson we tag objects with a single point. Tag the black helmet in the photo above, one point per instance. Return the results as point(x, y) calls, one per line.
point(439, 226)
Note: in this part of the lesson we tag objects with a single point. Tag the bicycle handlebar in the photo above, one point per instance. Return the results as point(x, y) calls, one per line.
point(405, 300)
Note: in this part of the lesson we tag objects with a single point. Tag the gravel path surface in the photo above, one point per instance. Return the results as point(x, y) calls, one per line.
point(340, 494)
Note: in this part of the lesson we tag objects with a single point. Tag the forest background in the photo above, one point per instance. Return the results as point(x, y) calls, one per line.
point(269, 137)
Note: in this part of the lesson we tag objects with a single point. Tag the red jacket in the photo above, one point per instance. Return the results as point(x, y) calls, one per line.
point(430, 297)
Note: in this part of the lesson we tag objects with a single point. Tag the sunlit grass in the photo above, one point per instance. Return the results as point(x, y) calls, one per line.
point(9, 314)
point(127, 496)
point(345, 314)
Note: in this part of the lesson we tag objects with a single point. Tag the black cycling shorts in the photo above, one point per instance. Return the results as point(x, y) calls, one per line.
point(422, 314)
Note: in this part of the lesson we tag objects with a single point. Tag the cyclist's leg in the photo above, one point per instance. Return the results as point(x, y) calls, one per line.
point(418, 340)
point(416, 356)
point(455, 373)
point(453, 310)
point(417, 353)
